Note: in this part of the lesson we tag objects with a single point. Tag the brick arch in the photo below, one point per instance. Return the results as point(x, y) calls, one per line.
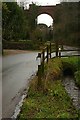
point(50, 10)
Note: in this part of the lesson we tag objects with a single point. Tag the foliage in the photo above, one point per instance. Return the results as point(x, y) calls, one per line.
point(14, 22)
point(74, 61)
point(53, 69)
point(37, 35)
point(67, 22)
point(77, 78)
point(19, 24)
point(22, 45)
point(41, 33)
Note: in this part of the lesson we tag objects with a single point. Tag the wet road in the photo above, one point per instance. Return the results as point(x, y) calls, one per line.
point(17, 69)
point(69, 53)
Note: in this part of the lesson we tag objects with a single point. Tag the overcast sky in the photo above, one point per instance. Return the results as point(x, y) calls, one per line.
point(42, 2)
point(50, 2)
point(46, 19)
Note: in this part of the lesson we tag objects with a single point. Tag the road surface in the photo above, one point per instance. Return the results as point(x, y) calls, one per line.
point(17, 69)
point(76, 52)
point(68, 53)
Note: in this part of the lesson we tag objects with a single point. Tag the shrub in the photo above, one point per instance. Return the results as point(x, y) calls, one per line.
point(77, 78)
point(52, 72)
point(53, 69)
point(74, 62)
point(22, 45)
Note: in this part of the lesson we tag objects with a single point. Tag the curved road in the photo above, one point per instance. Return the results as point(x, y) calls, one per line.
point(17, 69)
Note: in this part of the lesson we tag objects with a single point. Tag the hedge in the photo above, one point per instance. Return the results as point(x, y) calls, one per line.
point(22, 45)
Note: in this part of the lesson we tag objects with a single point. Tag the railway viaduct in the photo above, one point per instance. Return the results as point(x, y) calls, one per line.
point(50, 10)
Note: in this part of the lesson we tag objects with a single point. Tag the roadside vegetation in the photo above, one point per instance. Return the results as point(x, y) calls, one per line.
point(55, 104)
point(77, 78)
point(51, 99)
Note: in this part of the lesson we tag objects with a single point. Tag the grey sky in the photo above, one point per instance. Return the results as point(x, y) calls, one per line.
point(70, 0)
point(41, 2)
point(53, 2)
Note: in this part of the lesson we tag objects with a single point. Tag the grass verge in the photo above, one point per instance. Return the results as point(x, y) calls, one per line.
point(54, 104)
point(52, 100)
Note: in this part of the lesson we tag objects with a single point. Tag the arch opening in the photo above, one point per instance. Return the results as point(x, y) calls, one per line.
point(68, 72)
point(68, 69)
point(45, 19)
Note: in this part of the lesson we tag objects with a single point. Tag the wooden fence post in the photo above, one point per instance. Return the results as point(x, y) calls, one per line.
point(59, 52)
point(39, 76)
point(43, 62)
point(50, 50)
point(47, 53)
point(56, 48)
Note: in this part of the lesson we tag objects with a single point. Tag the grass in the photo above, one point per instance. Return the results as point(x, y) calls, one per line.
point(75, 61)
point(77, 78)
point(52, 100)
point(54, 104)
point(53, 69)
